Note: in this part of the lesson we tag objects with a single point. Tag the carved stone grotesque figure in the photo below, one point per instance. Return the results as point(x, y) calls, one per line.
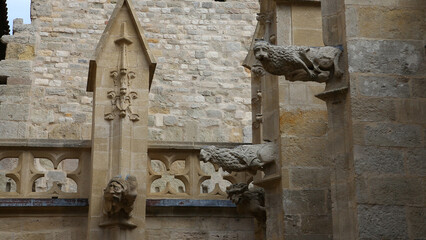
point(251, 201)
point(296, 63)
point(119, 196)
point(242, 158)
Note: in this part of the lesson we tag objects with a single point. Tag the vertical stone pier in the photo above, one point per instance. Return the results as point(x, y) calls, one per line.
point(120, 78)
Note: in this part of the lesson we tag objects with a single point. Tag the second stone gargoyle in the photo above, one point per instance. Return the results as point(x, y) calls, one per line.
point(297, 63)
point(248, 158)
point(119, 197)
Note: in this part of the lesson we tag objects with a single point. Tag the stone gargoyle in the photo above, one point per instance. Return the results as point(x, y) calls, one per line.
point(298, 63)
point(119, 197)
point(251, 201)
point(242, 158)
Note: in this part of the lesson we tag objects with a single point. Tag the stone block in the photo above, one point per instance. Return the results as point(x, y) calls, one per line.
point(416, 219)
point(307, 37)
point(303, 123)
point(418, 87)
point(14, 112)
point(65, 131)
point(292, 224)
point(385, 23)
point(306, 16)
point(310, 178)
point(306, 151)
point(386, 56)
point(298, 94)
point(391, 134)
point(311, 202)
point(382, 222)
point(373, 109)
point(379, 86)
point(378, 160)
point(411, 111)
point(317, 224)
point(214, 114)
point(395, 190)
point(416, 161)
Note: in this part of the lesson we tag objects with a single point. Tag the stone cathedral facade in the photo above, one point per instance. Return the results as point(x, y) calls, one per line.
point(109, 111)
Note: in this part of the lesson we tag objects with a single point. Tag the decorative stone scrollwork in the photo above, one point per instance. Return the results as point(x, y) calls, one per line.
point(242, 158)
point(119, 197)
point(121, 100)
point(318, 64)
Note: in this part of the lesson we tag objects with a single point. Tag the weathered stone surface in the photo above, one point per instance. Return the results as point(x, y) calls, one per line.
point(411, 110)
point(382, 222)
point(304, 151)
point(387, 23)
point(390, 134)
point(416, 163)
point(395, 190)
point(378, 160)
point(303, 123)
point(317, 224)
point(418, 87)
point(378, 86)
point(310, 178)
point(373, 109)
point(416, 217)
point(305, 202)
point(390, 57)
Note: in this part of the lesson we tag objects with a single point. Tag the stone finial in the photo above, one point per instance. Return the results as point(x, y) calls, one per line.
point(242, 158)
point(318, 64)
point(119, 197)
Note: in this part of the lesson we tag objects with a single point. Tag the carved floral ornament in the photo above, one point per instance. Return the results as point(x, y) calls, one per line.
point(121, 97)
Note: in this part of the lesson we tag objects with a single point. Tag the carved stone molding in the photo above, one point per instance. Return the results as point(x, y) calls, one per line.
point(265, 17)
point(296, 63)
point(119, 197)
point(248, 158)
point(121, 97)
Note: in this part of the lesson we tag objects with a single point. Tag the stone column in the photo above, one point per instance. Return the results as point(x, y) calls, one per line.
point(377, 118)
point(120, 78)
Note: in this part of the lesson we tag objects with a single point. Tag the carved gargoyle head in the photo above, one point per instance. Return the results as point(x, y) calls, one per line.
point(206, 153)
point(261, 49)
point(235, 192)
point(114, 192)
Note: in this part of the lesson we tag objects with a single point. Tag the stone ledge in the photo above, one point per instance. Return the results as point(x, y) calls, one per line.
point(84, 202)
point(45, 143)
point(43, 202)
point(60, 143)
point(189, 203)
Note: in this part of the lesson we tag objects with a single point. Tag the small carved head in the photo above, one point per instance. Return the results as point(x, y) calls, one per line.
point(235, 192)
point(206, 153)
point(115, 189)
point(261, 49)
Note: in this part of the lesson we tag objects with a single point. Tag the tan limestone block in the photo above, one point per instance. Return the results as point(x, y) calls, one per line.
point(19, 51)
point(307, 37)
point(304, 123)
point(306, 16)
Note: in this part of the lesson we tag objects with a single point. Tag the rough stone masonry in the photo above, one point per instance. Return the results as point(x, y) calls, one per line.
point(200, 91)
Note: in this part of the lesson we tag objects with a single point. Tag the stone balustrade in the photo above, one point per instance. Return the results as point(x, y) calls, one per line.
point(52, 169)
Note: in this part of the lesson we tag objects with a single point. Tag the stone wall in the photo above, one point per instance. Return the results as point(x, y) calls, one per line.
point(303, 129)
point(388, 99)
point(200, 91)
point(379, 144)
point(36, 226)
